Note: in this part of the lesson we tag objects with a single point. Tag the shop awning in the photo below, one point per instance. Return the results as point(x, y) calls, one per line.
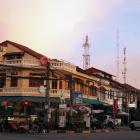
point(28, 98)
point(92, 101)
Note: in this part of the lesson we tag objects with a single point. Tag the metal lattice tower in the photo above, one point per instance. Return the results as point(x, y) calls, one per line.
point(124, 73)
point(86, 56)
point(118, 55)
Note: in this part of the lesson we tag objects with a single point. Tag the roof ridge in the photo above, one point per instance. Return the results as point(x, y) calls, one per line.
point(24, 48)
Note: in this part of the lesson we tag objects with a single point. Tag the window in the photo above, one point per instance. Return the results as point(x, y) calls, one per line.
point(14, 80)
point(2, 80)
point(102, 93)
point(1, 48)
point(94, 91)
point(36, 82)
point(60, 84)
point(111, 94)
point(54, 84)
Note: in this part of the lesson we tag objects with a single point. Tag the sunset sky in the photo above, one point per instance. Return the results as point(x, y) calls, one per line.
point(57, 28)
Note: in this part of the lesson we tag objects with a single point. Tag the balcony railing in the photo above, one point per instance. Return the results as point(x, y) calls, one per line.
point(22, 62)
point(62, 65)
point(59, 65)
point(60, 93)
point(33, 92)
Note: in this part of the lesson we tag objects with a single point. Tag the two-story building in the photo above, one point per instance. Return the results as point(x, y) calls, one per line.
point(22, 80)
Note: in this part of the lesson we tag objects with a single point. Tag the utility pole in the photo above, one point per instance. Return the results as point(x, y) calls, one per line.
point(45, 62)
point(71, 90)
point(48, 91)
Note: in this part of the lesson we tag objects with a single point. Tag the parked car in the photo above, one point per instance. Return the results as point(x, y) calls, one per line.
point(110, 122)
point(135, 125)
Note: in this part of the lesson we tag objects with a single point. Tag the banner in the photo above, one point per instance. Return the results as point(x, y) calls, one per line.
point(115, 106)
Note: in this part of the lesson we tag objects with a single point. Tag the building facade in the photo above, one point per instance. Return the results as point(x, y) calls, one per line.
point(23, 79)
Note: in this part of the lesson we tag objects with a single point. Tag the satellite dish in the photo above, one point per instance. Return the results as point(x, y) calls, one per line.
point(42, 89)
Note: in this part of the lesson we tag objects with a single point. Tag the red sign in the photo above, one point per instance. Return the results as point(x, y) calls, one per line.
point(44, 60)
point(25, 103)
point(115, 106)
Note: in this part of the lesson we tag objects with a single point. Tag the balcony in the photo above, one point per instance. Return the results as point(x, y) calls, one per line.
point(63, 65)
point(22, 62)
point(59, 93)
point(33, 92)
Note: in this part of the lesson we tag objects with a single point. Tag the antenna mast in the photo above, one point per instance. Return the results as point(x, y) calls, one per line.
point(124, 64)
point(118, 55)
point(86, 56)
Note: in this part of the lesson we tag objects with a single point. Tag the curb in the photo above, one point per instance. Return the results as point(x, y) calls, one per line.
point(82, 132)
point(86, 131)
point(52, 131)
point(70, 132)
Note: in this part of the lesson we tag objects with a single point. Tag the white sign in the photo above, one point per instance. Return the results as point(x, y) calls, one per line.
point(42, 89)
point(87, 119)
point(62, 121)
point(132, 105)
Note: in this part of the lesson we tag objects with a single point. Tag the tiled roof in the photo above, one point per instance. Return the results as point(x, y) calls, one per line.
point(94, 70)
point(23, 48)
point(129, 87)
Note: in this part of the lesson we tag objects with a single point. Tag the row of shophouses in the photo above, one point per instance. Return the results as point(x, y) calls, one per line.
point(22, 78)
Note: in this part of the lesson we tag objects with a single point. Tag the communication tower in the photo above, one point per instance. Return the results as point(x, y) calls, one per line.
point(124, 73)
point(86, 56)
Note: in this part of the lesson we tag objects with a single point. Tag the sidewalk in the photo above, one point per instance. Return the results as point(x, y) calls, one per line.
point(123, 128)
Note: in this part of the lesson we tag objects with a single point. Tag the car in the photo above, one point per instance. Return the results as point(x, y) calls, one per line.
point(110, 122)
point(135, 125)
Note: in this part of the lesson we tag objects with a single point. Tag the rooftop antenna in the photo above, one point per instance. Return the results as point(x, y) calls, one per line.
point(86, 56)
point(124, 73)
point(118, 55)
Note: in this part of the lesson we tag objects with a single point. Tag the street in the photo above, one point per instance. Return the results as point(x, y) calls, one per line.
point(117, 135)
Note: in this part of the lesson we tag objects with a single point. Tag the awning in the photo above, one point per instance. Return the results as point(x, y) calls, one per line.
point(123, 113)
point(92, 101)
point(28, 98)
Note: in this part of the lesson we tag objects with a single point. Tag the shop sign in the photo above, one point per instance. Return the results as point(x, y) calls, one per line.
point(77, 97)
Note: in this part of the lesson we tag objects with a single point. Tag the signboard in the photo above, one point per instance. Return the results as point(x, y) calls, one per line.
point(77, 97)
point(62, 121)
point(42, 89)
point(132, 105)
point(87, 120)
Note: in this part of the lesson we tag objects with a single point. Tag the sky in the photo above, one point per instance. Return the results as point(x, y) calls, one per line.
point(57, 29)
